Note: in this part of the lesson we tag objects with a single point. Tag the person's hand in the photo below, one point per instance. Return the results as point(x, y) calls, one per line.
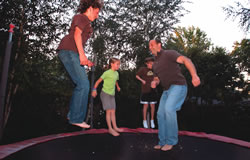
point(143, 82)
point(196, 81)
point(83, 59)
point(153, 84)
point(94, 93)
point(118, 89)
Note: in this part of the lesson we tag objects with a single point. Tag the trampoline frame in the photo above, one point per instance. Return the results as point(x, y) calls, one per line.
point(6, 150)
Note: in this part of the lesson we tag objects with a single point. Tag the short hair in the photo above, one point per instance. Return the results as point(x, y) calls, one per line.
point(85, 4)
point(149, 59)
point(157, 40)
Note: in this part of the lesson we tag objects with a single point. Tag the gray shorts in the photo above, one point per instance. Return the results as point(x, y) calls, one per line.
point(108, 101)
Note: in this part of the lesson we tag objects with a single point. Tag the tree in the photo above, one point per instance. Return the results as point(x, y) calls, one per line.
point(39, 25)
point(241, 59)
point(241, 55)
point(126, 27)
point(219, 75)
point(186, 39)
point(241, 11)
point(214, 66)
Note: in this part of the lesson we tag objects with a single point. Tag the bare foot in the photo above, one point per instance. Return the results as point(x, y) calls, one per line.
point(157, 147)
point(118, 129)
point(166, 147)
point(83, 125)
point(113, 132)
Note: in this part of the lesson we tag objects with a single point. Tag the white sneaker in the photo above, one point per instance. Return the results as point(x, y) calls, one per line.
point(152, 124)
point(145, 125)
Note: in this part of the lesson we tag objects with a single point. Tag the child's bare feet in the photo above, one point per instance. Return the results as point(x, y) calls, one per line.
point(157, 147)
point(166, 147)
point(83, 125)
point(118, 129)
point(113, 132)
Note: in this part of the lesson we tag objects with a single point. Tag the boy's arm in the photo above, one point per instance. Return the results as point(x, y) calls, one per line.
point(94, 92)
point(140, 79)
point(117, 86)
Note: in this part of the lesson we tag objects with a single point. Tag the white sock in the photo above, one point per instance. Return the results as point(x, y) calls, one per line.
point(152, 124)
point(145, 125)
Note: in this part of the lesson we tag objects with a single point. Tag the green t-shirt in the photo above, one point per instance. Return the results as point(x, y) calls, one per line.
point(109, 80)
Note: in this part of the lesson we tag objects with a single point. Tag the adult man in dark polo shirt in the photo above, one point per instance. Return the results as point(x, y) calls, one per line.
point(168, 72)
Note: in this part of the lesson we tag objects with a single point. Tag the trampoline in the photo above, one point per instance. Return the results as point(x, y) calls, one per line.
point(132, 144)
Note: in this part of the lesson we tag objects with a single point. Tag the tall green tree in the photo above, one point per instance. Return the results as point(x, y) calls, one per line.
point(241, 55)
point(219, 77)
point(186, 39)
point(39, 25)
point(214, 65)
point(241, 59)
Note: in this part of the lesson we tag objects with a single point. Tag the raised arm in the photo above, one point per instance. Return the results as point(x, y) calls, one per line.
point(191, 68)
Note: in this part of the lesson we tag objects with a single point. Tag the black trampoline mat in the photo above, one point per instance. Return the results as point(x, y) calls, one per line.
point(129, 146)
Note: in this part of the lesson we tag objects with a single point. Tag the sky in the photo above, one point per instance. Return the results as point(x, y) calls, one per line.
point(209, 16)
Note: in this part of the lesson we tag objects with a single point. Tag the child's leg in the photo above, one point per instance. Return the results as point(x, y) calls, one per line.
point(152, 124)
point(144, 113)
point(152, 111)
point(113, 120)
point(108, 120)
point(145, 108)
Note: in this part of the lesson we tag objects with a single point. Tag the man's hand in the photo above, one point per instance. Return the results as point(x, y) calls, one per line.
point(196, 81)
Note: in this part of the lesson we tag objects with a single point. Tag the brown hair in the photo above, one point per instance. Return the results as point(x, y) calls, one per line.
point(112, 60)
point(149, 59)
point(85, 4)
point(157, 40)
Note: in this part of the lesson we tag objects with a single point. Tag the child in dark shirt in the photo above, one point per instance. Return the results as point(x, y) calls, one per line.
point(148, 95)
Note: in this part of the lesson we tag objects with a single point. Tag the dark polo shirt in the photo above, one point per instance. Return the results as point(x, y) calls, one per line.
point(68, 42)
point(167, 69)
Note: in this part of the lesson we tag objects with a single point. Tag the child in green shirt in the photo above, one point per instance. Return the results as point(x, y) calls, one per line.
point(107, 95)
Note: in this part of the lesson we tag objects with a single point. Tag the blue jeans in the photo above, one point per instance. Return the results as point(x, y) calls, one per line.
point(170, 102)
point(77, 73)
